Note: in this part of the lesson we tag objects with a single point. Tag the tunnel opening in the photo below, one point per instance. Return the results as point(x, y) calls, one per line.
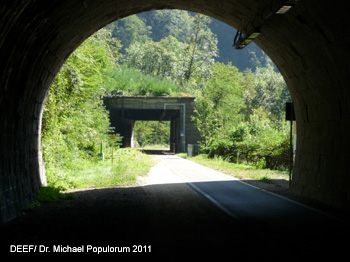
point(152, 135)
point(306, 50)
point(127, 112)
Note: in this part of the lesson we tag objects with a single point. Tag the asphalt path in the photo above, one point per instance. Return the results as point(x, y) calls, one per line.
point(296, 229)
point(180, 211)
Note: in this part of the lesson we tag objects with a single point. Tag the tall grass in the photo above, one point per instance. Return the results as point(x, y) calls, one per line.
point(127, 165)
point(129, 81)
point(240, 171)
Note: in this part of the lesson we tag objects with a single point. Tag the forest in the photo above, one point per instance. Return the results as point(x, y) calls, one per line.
point(240, 97)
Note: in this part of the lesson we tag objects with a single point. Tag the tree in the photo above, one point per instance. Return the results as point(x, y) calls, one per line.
point(224, 87)
point(206, 120)
point(152, 133)
point(269, 92)
point(172, 59)
point(130, 30)
point(155, 58)
point(200, 50)
point(225, 92)
point(164, 23)
point(74, 118)
point(219, 103)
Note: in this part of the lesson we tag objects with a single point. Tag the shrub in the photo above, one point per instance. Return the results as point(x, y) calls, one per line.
point(256, 142)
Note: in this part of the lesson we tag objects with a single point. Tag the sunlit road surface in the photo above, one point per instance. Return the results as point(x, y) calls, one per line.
point(297, 230)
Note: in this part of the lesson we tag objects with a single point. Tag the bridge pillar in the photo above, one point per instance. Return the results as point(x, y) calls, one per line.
point(125, 127)
point(174, 135)
point(128, 133)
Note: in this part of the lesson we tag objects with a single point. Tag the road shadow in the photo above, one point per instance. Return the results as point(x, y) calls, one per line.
point(156, 215)
point(156, 152)
point(176, 221)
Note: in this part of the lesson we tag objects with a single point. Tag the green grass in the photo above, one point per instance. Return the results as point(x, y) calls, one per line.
point(240, 171)
point(128, 164)
point(155, 147)
point(52, 194)
point(132, 82)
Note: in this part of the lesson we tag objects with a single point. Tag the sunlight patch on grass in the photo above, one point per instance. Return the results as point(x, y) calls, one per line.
point(127, 165)
point(240, 171)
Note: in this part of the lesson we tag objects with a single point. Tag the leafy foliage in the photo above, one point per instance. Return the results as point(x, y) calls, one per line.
point(74, 119)
point(166, 23)
point(155, 58)
point(157, 25)
point(130, 30)
point(241, 115)
point(269, 92)
point(172, 59)
point(152, 133)
point(200, 51)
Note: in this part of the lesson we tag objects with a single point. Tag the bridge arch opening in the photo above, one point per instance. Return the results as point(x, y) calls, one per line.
point(306, 44)
point(158, 140)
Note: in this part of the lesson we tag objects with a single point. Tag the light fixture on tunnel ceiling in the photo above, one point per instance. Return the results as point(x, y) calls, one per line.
point(286, 7)
point(251, 29)
point(242, 40)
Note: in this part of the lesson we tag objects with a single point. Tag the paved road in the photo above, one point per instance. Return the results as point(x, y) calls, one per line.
point(181, 209)
point(274, 221)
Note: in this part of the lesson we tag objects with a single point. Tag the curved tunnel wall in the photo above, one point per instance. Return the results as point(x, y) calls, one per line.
point(308, 44)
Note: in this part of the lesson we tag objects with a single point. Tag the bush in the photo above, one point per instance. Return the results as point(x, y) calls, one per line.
point(256, 142)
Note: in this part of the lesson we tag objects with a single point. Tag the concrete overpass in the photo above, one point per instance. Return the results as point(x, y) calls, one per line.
point(308, 44)
point(124, 111)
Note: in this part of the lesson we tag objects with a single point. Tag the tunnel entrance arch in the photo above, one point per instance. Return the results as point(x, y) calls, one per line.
point(307, 44)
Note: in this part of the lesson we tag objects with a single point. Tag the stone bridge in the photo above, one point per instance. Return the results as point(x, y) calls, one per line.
point(124, 111)
point(308, 41)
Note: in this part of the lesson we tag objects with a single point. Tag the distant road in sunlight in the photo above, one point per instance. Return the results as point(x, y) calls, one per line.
point(173, 169)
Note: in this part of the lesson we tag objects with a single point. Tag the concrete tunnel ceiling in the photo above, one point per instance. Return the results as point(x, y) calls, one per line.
point(308, 44)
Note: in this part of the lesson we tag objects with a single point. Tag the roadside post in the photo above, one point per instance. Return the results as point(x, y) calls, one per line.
point(112, 139)
point(102, 154)
point(290, 116)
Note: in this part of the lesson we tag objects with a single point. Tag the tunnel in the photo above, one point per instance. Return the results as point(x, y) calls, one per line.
point(125, 110)
point(306, 39)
